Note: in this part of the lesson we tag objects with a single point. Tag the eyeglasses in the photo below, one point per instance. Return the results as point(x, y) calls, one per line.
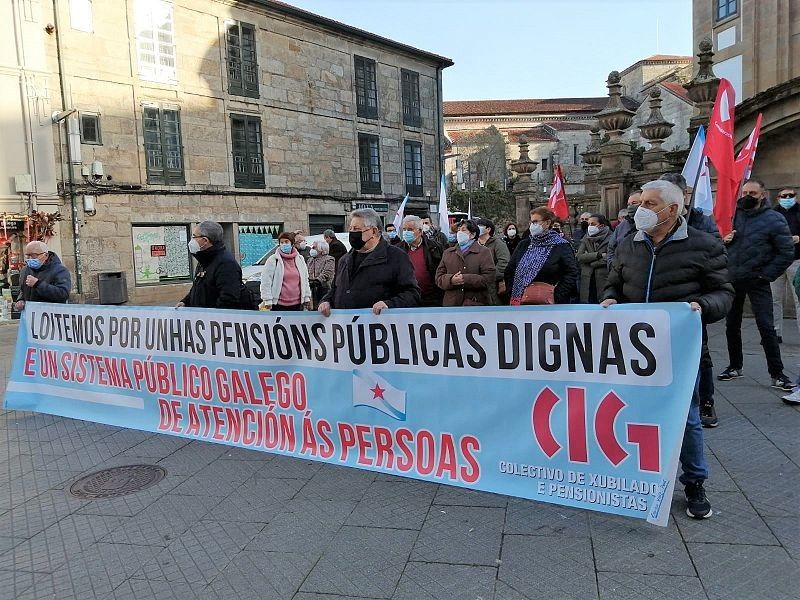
point(792, 195)
point(35, 255)
point(194, 237)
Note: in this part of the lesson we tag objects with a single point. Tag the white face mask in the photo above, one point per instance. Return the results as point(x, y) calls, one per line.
point(426, 228)
point(312, 253)
point(481, 229)
point(301, 245)
point(646, 219)
point(593, 230)
point(462, 237)
point(194, 246)
point(536, 229)
point(512, 232)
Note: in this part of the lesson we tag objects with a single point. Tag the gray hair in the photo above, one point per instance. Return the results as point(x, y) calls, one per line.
point(329, 233)
point(371, 218)
point(36, 246)
point(211, 230)
point(413, 220)
point(668, 192)
point(322, 247)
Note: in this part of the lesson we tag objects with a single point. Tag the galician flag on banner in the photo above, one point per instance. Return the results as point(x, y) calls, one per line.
point(375, 392)
point(747, 155)
point(697, 175)
point(719, 148)
point(558, 197)
point(398, 218)
point(444, 217)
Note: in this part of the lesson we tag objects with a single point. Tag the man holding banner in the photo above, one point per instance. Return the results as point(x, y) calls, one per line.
point(667, 261)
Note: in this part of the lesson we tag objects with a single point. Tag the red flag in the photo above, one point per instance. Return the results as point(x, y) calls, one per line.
point(719, 149)
point(558, 198)
point(747, 155)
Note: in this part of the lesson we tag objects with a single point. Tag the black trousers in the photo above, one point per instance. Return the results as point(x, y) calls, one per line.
point(760, 296)
point(292, 308)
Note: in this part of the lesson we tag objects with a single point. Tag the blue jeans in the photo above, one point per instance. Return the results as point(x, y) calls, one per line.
point(693, 460)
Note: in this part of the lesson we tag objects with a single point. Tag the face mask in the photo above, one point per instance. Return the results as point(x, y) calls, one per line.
point(33, 263)
point(301, 246)
point(536, 229)
point(408, 236)
point(584, 225)
point(194, 246)
point(392, 234)
point(286, 248)
point(511, 233)
point(356, 239)
point(451, 237)
point(462, 237)
point(481, 229)
point(631, 212)
point(312, 253)
point(750, 202)
point(787, 203)
point(426, 228)
point(645, 219)
point(592, 230)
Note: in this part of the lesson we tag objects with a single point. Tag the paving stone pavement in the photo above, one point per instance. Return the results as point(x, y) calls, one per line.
point(229, 523)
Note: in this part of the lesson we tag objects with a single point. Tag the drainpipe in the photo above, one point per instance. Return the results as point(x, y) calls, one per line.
point(26, 113)
point(76, 235)
point(439, 125)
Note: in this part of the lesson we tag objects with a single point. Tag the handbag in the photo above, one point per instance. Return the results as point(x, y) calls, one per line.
point(538, 293)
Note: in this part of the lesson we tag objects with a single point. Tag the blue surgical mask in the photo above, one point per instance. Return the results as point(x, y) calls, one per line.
point(391, 234)
point(451, 237)
point(33, 263)
point(481, 229)
point(286, 248)
point(787, 203)
point(408, 236)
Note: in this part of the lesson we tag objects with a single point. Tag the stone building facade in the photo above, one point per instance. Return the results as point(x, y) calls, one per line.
point(252, 113)
point(756, 46)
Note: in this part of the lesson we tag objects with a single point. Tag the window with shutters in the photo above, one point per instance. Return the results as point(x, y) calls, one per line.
point(242, 59)
point(366, 88)
point(155, 41)
point(725, 9)
point(410, 89)
point(412, 152)
point(162, 145)
point(248, 153)
point(90, 129)
point(369, 163)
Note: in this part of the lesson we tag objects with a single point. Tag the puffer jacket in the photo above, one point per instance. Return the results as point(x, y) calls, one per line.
point(700, 220)
point(53, 285)
point(689, 266)
point(762, 246)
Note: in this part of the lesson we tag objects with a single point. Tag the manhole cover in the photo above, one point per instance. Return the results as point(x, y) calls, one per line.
point(117, 481)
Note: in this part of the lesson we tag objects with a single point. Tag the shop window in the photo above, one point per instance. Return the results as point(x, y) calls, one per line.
point(160, 254)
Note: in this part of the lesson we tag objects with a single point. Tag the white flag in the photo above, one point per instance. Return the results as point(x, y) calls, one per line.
point(444, 216)
point(695, 160)
point(398, 218)
point(702, 193)
point(375, 392)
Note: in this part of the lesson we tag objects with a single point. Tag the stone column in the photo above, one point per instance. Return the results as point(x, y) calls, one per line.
point(524, 187)
point(656, 129)
point(702, 89)
point(616, 153)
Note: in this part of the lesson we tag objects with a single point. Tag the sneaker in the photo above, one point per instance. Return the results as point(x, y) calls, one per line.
point(730, 373)
point(782, 383)
point(697, 504)
point(793, 398)
point(708, 416)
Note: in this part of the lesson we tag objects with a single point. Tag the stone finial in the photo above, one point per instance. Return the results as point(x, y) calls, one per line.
point(705, 44)
point(656, 129)
point(613, 77)
point(655, 92)
point(615, 118)
point(702, 88)
point(591, 157)
point(524, 165)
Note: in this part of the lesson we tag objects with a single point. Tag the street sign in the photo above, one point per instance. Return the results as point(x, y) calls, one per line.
point(378, 207)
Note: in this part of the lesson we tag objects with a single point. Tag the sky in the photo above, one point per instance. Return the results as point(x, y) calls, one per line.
point(524, 48)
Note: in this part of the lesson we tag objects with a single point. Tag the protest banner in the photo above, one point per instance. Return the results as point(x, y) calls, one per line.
point(573, 405)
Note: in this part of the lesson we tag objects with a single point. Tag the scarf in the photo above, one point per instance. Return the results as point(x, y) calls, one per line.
point(532, 262)
point(466, 246)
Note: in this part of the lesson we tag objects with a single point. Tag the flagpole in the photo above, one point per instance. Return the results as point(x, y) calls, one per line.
point(696, 180)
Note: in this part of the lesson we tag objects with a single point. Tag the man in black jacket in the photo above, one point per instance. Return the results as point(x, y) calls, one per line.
point(373, 274)
point(336, 248)
point(43, 278)
point(218, 277)
point(788, 207)
point(760, 248)
point(668, 261)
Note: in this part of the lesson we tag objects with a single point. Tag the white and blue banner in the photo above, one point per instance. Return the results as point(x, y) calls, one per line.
point(573, 405)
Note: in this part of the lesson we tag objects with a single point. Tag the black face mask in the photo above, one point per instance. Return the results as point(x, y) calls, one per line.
point(356, 239)
point(584, 225)
point(749, 202)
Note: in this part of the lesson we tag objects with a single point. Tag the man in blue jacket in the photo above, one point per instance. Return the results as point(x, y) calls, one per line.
point(760, 248)
point(43, 278)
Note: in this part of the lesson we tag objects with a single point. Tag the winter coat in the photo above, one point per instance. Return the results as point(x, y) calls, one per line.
point(689, 266)
point(337, 250)
point(433, 256)
point(560, 270)
point(322, 268)
point(501, 256)
point(272, 278)
point(512, 243)
point(217, 280)
point(620, 231)
point(792, 217)
point(478, 269)
point(592, 262)
point(385, 274)
point(762, 246)
point(700, 220)
point(54, 282)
